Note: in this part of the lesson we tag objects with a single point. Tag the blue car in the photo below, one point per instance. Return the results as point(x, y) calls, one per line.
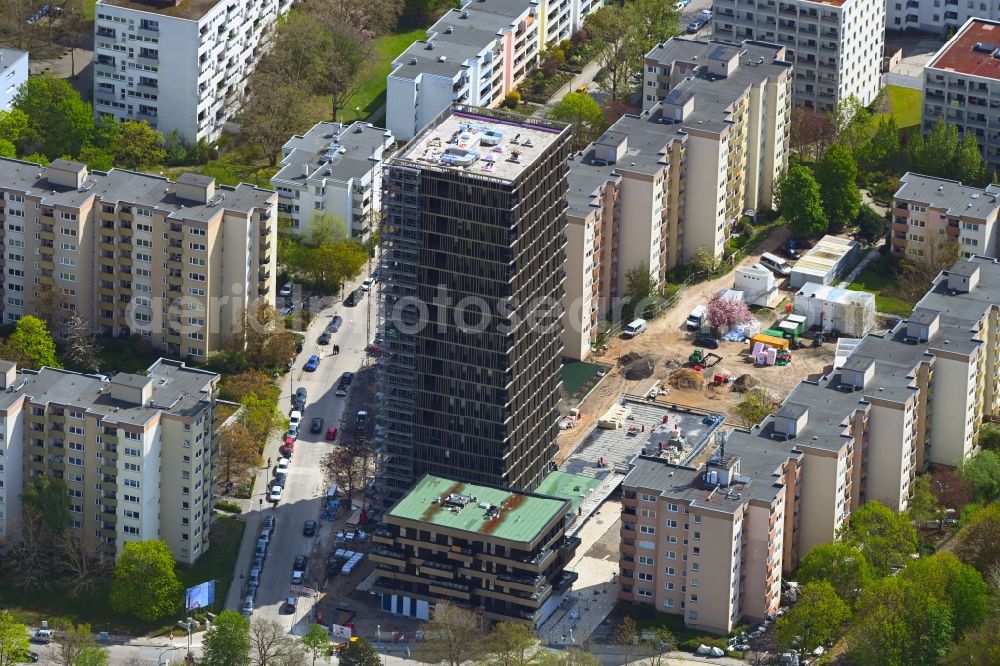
point(312, 363)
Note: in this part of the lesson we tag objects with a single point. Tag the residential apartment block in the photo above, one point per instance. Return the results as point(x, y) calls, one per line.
point(180, 65)
point(473, 247)
point(931, 215)
point(657, 186)
point(175, 262)
point(708, 543)
point(136, 452)
point(836, 45)
point(941, 16)
point(333, 170)
point(962, 85)
point(481, 547)
point(13, 72)
point(475, 55)
point(903, 400)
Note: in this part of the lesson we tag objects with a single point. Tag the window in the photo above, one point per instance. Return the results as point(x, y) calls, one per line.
point(67, 216)
point(73, 414)
point(671, 523)
point(67, 247)
point(646, 561)
point(128, 529)
point(669, 587)
point(133, 499)
point(647, 577)
point(647, 529)
point(76, 462)
point(647, 498)
point(75, 446)
point(197, 247)
point(670, 571)
point(696, 536)
point(672, 507)
point(129, 513)
point(67, 277)
point(669, 603)
point(697, 520)
point(131, 467)
point(644, 593)
point(132, 435)
point(144, 227)
point(66, 231)
point(694, 598)
point(671, 555)
point(132, 452)
point(647, 513)
point(131, 483)
point(76, 430)
point(692, 615)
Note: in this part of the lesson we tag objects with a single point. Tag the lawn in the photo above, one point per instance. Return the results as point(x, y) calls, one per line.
point(579, 377)
point(58, 601)
point(371, 96)
point(126, 355)
point(879, 278)
point(905, 103)
point(242, 164)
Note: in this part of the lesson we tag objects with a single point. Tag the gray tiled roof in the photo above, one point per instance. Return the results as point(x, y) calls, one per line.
point(358, 140)
point(951, 195)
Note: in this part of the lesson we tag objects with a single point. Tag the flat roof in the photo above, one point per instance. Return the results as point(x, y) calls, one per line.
point(564, 485)
point(468, 140)
point(972, 51)
point(10, 56)
point(958, 200)
point(825, 255)
point(333, 151)
point(522, 516)
point(191, 10)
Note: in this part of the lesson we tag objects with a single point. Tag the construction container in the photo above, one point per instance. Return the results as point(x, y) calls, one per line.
point(770, 340)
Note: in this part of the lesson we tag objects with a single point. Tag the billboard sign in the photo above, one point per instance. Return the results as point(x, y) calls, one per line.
point(200, 596)
point(340, 632)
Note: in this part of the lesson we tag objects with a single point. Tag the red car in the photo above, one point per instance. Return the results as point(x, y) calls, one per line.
point(287, 450)
point(331, 434)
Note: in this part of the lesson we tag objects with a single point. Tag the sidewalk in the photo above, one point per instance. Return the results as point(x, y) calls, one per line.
point(586, 77)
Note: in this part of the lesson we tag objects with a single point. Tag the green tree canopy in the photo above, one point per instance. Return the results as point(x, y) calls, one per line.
point(883, 152)
point(582, 112)
point(754, 407)
point(978, 539)
point(871, 225)
point(31, 345)
point(144, 583)
point(50, 497)
point(989, 436)
point(652, 22)
point(360, 653)
point(7, 149)
point(978, 646)
point(885, 537)
point(510, 644)
point(837, 176)
point(799, 202)
point(982, 473)
point(13, 125)
point(14, 643)
point(944, 154)
point(818, 616)
point(842, 565)
point(316, 641)
point(227, 643)
point(59, 122)
point(640, 290)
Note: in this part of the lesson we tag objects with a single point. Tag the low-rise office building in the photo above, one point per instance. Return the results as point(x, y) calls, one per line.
point(136, 452)
point(180, 65)
point(962, 85)
point(658, 186)
point(13, 72)
point(481, 547)
point(333, 170)
point(836, 45)
point(931, 215)
point(178, 262)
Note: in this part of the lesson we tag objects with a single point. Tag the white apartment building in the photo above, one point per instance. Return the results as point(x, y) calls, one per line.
point(180, 65)
point(333, 169)
point(962, 85)
point(836, 45)
point(942, 16)
point(475, 55)
point(175, 262)
point(13, 72)
point(709, 143)
point(135, 452)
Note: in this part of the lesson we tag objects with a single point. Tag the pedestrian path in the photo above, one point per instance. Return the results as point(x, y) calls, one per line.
point(595, 500)
point(862, 265)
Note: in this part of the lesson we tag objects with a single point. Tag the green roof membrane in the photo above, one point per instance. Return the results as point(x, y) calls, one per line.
point(564, 485)
point(513, 516)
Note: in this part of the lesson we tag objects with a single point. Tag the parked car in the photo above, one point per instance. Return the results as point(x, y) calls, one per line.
point(354, 298)
point(331, 434)
point(300, 563)
point(287, 450)
point(42, 636)
point(344, 383)
point(247, 609)
point(294, 419)
point(312, 363)
point(282, 466)
point(270, 522)
point(286, 290)
point(693, 322)
point(297, 577)
point(705, 15)
point(366, 285)
point(316, 425)
point(289, 605)
point(634, 328)
point(324, 338)
point(695, 25)
point(301, 394)
point(335, 324)
point(275, 495)
point(279, 480)
point(32, 657)
point(707, 341)
point(790, 252)
point(309, 528)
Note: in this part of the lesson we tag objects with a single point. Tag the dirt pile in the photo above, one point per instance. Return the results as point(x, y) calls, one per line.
point(686, 378)
point(744, 383)
point(640, 369)
point(673, 363)
point(629, 359)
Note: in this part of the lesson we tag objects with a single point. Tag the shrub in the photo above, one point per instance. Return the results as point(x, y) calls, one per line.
point(550, 68)
point(228, 507)
point(512, 100)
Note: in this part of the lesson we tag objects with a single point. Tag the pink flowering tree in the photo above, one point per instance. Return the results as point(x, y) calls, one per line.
point(725, 313)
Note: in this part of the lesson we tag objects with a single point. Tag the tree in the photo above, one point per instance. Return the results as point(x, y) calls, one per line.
point(969, 163)
point(260, 417)
point(799, 202)
point(571, 657)
point(812, 133)
point(49, 497)
point(950, 487)
point(881, 634)
point(343, 465)
point(754, 407)
point(76, 645)
point(652, 22)
point(48, 301)
point(264, 338)
point(582, 112)
point(324, 229)
point(982, 473)
point(453, 636)
point(59, 121)
point(640, 291)
point(137, 146)
point(316, 641)
point(977, 540)
point(618, 55)
point(31, 344)
point(7, 149)
point(144, 583)
point(272, 111)
point(252, 382)
point(837, 176)
point(82, 351)
point(270, 644)
point(924, 506)
point(702, 261)
point(238, 451)
point(227, 642)
point(360, 653)
point(509, 644)
point(817, 617)
point(29, 557)
point(871, 225)
point(656, 648)
point(13, 125)
point(325, 267)
point(885, 537)
point(346, 60)
point(84, 568)
point(978, 646)
point(855, 125)
point(883, 152)
point(841, 565)
point(626, 635)
point(14, 643)
point(724, 313)
point(989, 436)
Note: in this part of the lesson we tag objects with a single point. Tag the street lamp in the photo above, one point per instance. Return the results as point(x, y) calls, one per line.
point(159, 660)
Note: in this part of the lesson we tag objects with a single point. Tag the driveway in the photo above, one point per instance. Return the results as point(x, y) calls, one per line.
point(305, 485)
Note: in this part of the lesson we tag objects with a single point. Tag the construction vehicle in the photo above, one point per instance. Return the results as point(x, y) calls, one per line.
point(700, 358)
point(784, 357)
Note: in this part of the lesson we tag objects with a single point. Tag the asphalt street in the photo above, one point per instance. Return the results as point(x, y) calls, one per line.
point(305, 487)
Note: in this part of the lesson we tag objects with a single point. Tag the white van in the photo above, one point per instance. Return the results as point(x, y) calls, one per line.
point(634, 328)
point(693, 322)
point(775, 264)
